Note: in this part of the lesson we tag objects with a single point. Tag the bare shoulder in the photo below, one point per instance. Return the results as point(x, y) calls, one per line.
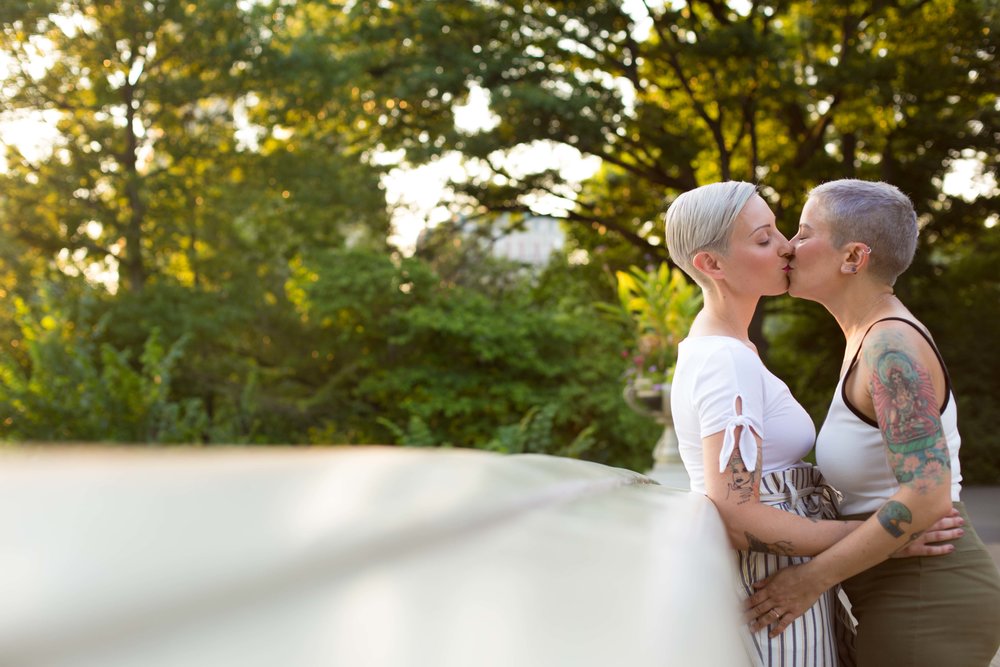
point(898, 338)
point(894, 351)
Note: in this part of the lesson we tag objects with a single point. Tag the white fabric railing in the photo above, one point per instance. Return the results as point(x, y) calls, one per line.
point(355, 556)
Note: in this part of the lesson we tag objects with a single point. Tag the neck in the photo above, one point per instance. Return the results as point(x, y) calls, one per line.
point(856, 311)
point(725, 315)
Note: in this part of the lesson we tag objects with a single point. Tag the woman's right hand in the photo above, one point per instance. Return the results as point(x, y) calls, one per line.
point(782, 597)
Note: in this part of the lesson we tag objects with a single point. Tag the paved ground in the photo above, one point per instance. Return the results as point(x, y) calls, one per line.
point(983, 503)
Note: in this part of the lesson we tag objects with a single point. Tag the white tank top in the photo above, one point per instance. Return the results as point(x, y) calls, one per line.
point(852, 455)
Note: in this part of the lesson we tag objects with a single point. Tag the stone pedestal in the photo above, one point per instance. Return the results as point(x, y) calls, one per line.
point(668, 469)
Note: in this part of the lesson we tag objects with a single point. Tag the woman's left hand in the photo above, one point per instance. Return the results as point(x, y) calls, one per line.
point(781, 598)
point(933, 540)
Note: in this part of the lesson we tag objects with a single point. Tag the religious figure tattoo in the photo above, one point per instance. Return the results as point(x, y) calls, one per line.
point(893, 515)
point(904, 397)
point(908, 416)
point(781, 547)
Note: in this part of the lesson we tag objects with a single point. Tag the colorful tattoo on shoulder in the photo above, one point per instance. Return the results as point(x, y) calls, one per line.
point(741, 481)
point(781, 547)
point(907, 412)
point(893, 515)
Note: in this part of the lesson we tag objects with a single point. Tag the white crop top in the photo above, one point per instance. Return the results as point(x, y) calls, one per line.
point(711, 372)
point(852, 454)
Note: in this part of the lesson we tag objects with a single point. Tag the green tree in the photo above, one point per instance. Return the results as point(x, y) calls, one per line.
point(674, 95)
point(136, 94)
point(173, 184)
point(160, 169)
point(411, 355)
point(72, 387)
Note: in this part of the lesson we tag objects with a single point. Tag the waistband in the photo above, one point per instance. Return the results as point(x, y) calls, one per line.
point(794, 485)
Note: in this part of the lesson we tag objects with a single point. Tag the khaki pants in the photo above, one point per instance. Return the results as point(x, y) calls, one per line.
point(934, 611)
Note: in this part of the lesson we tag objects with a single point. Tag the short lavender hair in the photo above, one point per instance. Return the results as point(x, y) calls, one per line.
point(870, 212)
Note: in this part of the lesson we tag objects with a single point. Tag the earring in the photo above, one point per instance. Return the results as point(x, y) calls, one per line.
point(854, 269)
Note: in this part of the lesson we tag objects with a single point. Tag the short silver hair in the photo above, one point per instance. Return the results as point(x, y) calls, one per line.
point(874, 213)
point(702, 219)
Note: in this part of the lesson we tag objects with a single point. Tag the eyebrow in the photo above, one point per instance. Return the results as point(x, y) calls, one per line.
point(767, 226)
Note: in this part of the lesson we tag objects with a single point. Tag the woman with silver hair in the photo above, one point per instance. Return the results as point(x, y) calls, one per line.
point(741, 434)
point(890, 444)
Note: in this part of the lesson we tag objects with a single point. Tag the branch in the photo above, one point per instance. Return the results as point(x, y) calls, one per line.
point(54, 245)
point(654, 176)
point(624, 232)
point(714, 124)
point(718, 10)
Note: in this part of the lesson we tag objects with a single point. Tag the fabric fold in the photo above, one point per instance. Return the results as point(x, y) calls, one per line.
point(747, 443)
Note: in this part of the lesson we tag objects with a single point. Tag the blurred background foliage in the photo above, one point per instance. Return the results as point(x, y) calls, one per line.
point(201, 251)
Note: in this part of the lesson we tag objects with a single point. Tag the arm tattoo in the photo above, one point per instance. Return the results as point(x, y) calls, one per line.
point(910, 421)
point(904, 401)
point(892, 515)
point(781, 547)
point(741, 481)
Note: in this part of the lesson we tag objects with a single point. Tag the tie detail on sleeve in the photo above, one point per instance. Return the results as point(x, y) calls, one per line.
point(747, 442)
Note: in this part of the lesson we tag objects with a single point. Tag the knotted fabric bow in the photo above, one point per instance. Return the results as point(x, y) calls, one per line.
point(747, 443)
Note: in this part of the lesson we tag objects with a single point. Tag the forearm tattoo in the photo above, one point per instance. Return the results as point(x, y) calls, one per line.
point(781, 547)
point(893, 515)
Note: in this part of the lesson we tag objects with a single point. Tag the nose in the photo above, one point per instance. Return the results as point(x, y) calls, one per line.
point(785, 248)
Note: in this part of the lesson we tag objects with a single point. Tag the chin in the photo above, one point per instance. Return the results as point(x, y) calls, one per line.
point(798, 294)
point(780, 289)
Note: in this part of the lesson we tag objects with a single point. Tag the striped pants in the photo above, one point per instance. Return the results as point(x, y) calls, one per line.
point(824, 635)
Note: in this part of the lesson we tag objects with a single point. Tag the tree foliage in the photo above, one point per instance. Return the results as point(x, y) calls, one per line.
point(364, 349)
point(158, 171)
point(673, 95)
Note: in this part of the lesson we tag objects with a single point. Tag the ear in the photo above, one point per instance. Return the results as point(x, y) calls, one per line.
point(708, 263)
point(856, 258)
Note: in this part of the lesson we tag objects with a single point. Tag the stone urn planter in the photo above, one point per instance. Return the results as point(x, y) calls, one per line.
point(648, 399)
point(661, 305)
point(654, 402)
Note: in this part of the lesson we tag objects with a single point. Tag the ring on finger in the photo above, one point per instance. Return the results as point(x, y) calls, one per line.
point(777, 614)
